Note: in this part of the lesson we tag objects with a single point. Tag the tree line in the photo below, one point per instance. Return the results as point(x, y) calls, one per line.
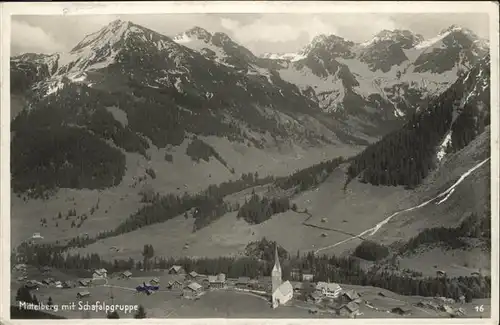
point(259, 209)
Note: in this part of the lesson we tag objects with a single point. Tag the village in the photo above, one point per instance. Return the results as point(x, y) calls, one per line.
point(301, 293)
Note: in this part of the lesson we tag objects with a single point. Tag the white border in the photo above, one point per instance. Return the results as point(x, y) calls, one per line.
point(146, 7)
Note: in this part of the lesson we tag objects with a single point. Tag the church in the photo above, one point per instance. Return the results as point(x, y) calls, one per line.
point(282, 292)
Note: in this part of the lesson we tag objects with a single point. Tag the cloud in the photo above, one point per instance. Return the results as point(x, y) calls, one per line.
point(268, 28)
point(27, 38)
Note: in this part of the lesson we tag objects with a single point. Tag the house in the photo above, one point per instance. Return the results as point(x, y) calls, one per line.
point(174, 285)
point(475, 274)
point(37, 235)
point(295, 273)
point(192, 290)
point(83, 294)
point(350, 309)
point(298, 286)
point(440, 273)
point(176, 269)
point(47, 281)
point(154, 281)
point(67, 284)
point(351, 295)
point(126, 275)
point(401, 311)
point(307, 277)
point(192, 276)
point(331, 290)
point(84, 283)
point(314, 297)
point(58, 284)
point(31, 285)
point(217, 281)
point(461, 299)
point(100, 274)
point(243, 282)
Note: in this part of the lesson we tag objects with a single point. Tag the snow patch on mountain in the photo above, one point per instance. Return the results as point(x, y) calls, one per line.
point(292, 57)
point(442, 147)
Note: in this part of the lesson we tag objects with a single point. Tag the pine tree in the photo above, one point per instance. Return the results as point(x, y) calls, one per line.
point(50, 302)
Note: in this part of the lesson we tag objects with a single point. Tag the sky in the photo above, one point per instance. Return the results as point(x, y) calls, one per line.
point(276, 33)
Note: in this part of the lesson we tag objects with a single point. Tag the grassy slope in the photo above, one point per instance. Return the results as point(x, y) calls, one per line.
point(182, 175)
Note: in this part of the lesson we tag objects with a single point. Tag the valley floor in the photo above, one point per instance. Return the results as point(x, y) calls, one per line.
point(230, 303)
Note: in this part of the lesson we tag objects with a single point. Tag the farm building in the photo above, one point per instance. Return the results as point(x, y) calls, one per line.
point(126, 275)
point(176, 269)
point(475, 274)
point(84, 282)
point(350, 295)
point(154, 281)
point(20, 267)
point(328, 289)
point(83, 294)
point(350, 309)
point(307, 277)
point(192, 290)
point(282, 292)
point(440, 273)
point(48, 281)
point(400, 311)
point(243, 282)
point(58, 284)
point(100, 274)
point(174, 285)
point(32, 285)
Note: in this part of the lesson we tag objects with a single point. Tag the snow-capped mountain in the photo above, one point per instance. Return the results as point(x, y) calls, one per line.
point(388, 77)
point(142, 72)
point(364, 86)
point(218, 47)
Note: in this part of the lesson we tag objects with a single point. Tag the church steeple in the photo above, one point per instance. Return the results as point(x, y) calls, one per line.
point(276, 272)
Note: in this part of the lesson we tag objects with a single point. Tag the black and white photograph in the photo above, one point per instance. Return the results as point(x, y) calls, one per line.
point(191, 162)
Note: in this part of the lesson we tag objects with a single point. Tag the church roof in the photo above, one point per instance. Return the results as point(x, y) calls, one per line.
point(285, 288)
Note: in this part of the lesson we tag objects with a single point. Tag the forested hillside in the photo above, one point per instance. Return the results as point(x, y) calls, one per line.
point(449, 123)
